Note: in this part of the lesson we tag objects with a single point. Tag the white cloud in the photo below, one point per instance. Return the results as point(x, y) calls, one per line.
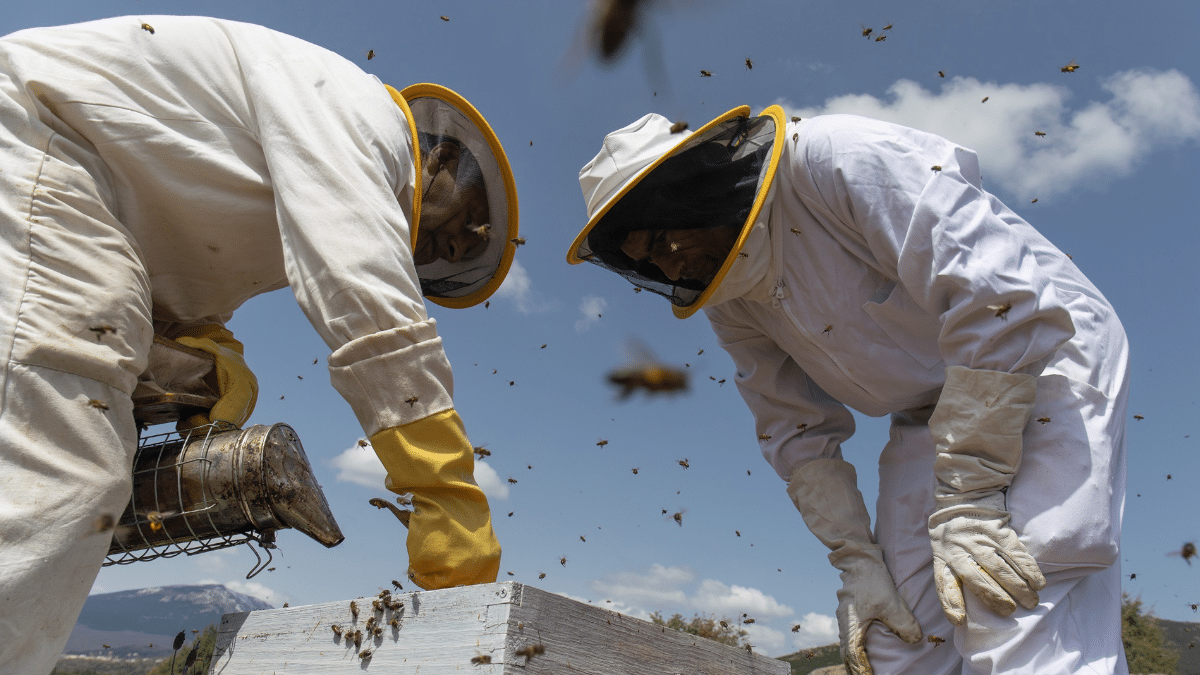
point(1101, 140)
point(714, 596)
point(660, 587)
point(489, 481)
point(591, 307)
point(253, 589)
point(816, 630)
point(360, 465)
point(518, 288)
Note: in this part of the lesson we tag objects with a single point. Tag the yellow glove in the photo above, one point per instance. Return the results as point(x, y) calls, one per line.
point(236, 385)
point(450, 537)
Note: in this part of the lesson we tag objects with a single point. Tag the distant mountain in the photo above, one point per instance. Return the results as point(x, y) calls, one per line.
point(131, 620)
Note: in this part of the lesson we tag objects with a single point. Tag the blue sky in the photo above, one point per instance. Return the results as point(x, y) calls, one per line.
point(1115, 183)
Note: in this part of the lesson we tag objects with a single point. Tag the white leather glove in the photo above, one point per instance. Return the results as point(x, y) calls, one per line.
point(977, 427)
point(826, 493)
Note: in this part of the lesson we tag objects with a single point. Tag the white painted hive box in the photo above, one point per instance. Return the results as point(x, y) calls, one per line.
point(442, 631)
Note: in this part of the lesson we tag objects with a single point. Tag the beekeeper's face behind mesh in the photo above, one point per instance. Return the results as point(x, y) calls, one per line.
point(694, 255)
point(454, 206)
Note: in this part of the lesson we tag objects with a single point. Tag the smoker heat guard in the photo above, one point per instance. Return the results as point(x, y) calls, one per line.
point(211, 489)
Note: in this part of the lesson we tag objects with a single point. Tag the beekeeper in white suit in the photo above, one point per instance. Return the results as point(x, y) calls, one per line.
point(158, 172)
point(850, 263)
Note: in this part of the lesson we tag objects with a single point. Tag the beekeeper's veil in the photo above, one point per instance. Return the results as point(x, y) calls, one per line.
point(438, 115)
point(647, 178)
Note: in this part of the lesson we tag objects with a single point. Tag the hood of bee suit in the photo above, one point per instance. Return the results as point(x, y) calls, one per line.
point(647, 178)
point(436, 115)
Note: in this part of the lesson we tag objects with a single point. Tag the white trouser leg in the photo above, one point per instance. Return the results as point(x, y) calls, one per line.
point(75, 329)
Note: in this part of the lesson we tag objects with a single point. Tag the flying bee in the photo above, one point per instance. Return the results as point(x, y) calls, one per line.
point(517, 241)
point(678, 516)
point(1001, 310)
point(803, 426)
point(444, 17)
point(647, 373)
point(1188, 551)
point(148, 28)
point(370, 54)
point(706, 73)
point(582, 539)
point(482, 451)
point(1039, 133)
point(404, 499)
point(764, 437)
point(887, 27)
point(602, 442)
point(482, 659)
point(936, 167)
point(363, 443)
point(881, 38)
point(737, 532)
point(748, 620)
point(679, 127)
point(935, 640)
point(635, 470)
point(104, 522)
point(1194, 606)
point(530, 651)
point(1070, 67)
point(796, 628)
point(563, 561)
point(866, 32)
point(397, 584)
point(541, 575)
point(155, 519)
point(684, 463)
point(410, 400)
point(941, 73)
point(1044, 420)
point(101, 330)
point(828, 328)
point(1033, 201)
point(724, 624)
point(97, 404)
point(512, 481)
point(985, 99)
point(749, 64)
point(1138, 417)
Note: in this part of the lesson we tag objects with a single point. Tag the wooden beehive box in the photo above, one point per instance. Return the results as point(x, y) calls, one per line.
point(442, 631)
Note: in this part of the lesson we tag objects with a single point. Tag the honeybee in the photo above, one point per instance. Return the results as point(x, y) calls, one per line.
point(748, 620)
point(749, 64)
point(105, 522)
point(796, 628)
point(365, 654)
point(679, 127)
point(370, 54)
point(581, 538)
point(1039, 133)
point(517, 241)
point(1044, 420)
point(684, 463)
point(155, 519)
point(635, 471)
point(706, 73)
point(764, 437)
point(101, 330)
point(935, 640)
point(370, 623)
point(887, 27)
point(404, 500)
point(315, 361)
point(563, 561)
point(699, 352)
point(678, 516)
point(541, 575)
point(487, 303)
point(1138, 417)
point(1070, 67)
point(482, 659)
point(941, 73)
point(444, 17)
point(512, 481)
point(358, 639)
point(354, 609)
point(482, 451)
point(601, 443)
point(881, 38)
point(803, 426)
point(1033, 201)
point(107, 646)
point(795, 137)
point(866, 32)
point(737, 532)
point(97, 404)
point(828, 328)
point(647, 373)
point(377, 605)
point(394, 623)
point(795, 119)
point(397, 585)
point(530, 651)
point(1001, 310)
point(1188, 551)
point(985, 99)
point(410, 400)
point(1193, 605)
point(148, 28)
point(936, 167)
point(363, 443)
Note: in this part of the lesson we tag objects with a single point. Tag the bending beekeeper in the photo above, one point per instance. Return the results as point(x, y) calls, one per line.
point(160, 171)
point(845, 263)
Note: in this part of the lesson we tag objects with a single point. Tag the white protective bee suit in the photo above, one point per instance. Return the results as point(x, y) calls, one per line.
point(881, 273)
point(154, 178)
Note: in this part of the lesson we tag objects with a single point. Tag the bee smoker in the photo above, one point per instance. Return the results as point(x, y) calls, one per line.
point(211, 487)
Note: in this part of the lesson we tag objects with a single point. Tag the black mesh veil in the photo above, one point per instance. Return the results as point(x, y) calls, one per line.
point(711, 181)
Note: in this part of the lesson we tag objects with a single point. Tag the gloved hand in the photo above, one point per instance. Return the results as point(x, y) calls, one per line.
point(826, 493)
point(450, 537)
point(236, 385)
point(977, 427)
